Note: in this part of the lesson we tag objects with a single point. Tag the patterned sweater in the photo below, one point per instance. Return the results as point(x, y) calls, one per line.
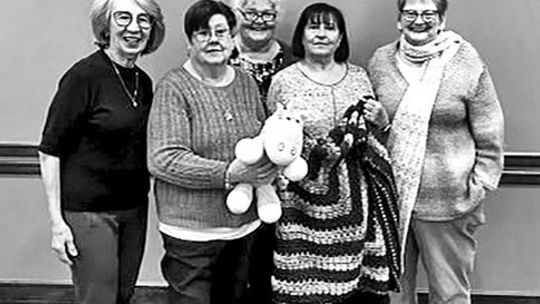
point(263, 72)
point(192, 131)
point(329, 244)
point(464, 153)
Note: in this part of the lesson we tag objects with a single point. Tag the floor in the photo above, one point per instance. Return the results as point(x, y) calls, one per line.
point(63, 294)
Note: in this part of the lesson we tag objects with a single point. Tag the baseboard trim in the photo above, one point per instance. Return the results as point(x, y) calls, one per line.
point(497, 293)
point(26, 293)
point(521, 168)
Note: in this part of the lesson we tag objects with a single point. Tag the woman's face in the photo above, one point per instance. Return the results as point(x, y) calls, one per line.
point(420, 22)
point(212, 45)
point(258, 21)
point(130, 28)
point(321, 37)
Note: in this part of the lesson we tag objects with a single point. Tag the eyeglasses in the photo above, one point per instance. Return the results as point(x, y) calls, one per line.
point(411, 16)
point(252, 16)
point(124, 19)
point(206, 35)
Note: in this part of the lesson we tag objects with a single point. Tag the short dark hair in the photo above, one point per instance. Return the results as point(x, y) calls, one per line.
point(323, 12)
point(200, 12)
point(442, 6)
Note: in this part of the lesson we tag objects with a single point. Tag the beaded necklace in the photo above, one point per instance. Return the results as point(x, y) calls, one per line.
point(132, 97)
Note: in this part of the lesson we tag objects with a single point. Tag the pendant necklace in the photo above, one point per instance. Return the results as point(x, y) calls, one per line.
point(227, 114)
point(132, 97)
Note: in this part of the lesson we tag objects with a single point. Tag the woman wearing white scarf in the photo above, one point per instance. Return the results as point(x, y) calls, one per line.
point(445, 143)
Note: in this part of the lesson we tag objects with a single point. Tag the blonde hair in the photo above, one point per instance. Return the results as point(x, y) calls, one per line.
point(100, 16)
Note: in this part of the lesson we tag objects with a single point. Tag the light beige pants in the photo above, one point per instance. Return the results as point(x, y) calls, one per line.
point(447, 251)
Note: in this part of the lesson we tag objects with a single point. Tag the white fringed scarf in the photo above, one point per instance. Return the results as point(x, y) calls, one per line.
point(408, 136)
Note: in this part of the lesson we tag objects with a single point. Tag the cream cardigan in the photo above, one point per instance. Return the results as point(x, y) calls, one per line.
point(464, 154)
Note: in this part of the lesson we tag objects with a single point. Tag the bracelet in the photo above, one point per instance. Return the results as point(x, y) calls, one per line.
point(386, 128)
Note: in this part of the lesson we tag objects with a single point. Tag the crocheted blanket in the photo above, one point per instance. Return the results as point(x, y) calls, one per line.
point(339, 231)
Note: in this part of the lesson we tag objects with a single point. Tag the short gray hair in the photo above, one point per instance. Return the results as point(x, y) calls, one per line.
point(100, 16)
point(241, 3)
point(442, 6)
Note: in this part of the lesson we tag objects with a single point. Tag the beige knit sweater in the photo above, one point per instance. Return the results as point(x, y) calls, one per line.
point(464, 154)
point(192, 131)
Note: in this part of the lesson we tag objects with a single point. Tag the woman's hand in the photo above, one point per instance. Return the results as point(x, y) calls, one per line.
point(62, 238)
point(260, 173)
point(62, 242)
point(375, 113)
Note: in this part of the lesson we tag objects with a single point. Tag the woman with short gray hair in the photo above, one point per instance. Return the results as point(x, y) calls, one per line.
point(446, 146)
point(257, 49)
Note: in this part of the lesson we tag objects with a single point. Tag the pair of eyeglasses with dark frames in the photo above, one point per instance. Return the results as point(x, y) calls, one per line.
point(124, 19)
point(252, 16)
point(427, 16)
point(206, 34)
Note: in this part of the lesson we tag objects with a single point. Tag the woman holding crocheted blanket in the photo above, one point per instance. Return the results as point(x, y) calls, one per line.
point(337, 238)
point(445, 144)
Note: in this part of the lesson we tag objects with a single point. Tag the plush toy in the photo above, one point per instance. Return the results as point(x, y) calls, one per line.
point(281, 139)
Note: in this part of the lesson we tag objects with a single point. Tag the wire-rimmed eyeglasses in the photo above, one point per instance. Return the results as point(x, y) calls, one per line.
point(204, 35)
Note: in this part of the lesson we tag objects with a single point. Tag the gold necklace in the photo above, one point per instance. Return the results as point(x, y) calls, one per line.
point(133, 97)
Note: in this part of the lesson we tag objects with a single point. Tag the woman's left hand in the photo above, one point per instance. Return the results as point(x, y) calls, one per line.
point(375, 113)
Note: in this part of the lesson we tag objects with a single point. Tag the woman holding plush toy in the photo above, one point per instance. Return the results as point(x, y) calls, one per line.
point(200, 112)
point(337, 237)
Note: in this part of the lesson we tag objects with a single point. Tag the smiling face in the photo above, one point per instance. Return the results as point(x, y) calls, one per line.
point(321, 36)
point(129, 40)
point(423, 29)
point(212, 45)
point(257, 22)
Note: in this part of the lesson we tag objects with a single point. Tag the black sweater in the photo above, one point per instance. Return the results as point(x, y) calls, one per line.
point(99, 136)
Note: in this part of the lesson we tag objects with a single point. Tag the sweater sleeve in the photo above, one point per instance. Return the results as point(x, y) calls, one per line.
point(487, 125)
point(274, 94)
point(65, 112)
point(170, 154)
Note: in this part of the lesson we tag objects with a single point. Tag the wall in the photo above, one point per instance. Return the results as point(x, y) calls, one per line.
point(41, 39)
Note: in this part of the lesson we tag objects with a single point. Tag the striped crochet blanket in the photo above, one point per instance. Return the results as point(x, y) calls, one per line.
point(339, 231)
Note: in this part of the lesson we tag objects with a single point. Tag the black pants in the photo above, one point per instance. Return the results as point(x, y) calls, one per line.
point(111, 247)
point(261, 266)
point(212, 272)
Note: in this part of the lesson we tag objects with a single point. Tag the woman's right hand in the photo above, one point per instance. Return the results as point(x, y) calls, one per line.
point(62, 242)
point(260, 173)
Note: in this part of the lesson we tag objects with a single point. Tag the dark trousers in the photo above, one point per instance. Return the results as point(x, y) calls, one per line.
point(261, 265)
point(212, 272)
point(110, 246)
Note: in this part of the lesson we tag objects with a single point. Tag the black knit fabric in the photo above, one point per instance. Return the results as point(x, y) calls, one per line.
point(339, 231)
point(99, 136)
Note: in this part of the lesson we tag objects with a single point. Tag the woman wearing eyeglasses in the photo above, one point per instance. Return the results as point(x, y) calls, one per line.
point(200, 111)
point(257, 50)
point(93, 153)
point(446, 146)
point(262, 55)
